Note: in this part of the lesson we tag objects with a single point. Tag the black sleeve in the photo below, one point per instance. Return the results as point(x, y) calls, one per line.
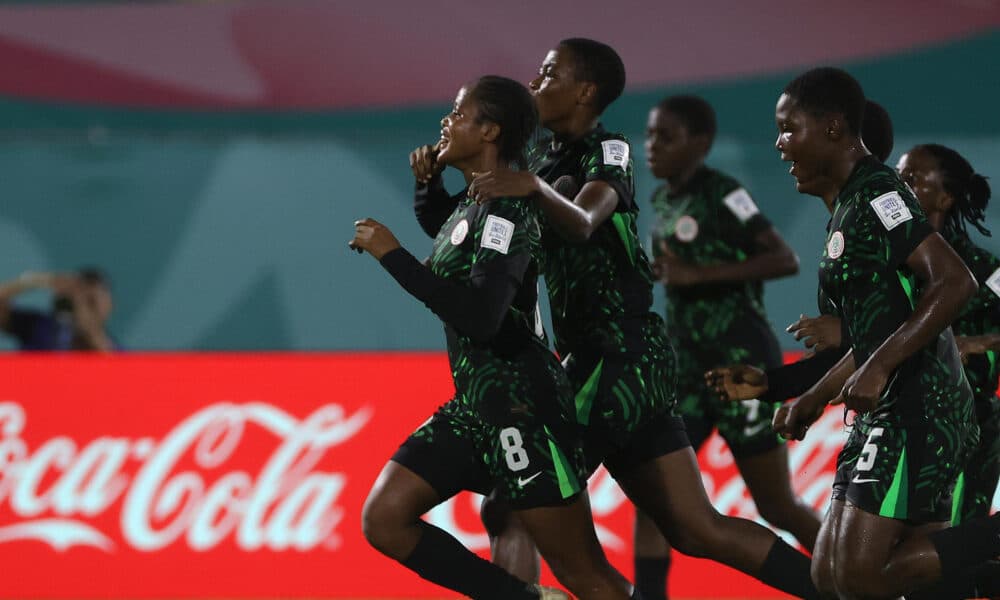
point(476, 310)
point(433, 205)
point(21, 323)
point(791, 381)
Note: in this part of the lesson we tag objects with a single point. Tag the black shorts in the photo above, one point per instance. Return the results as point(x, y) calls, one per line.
point(629, 410)
point(530, 464)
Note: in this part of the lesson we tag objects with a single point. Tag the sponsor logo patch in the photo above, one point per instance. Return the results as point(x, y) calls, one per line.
point(742, 205)
point(891, 210)
point(993, 282)
point(615, 153)
point(497, 234)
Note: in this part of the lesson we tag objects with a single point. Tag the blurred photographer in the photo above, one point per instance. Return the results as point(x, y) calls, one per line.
point(81, 306)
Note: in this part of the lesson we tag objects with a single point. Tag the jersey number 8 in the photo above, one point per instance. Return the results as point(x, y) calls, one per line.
point(513, 446)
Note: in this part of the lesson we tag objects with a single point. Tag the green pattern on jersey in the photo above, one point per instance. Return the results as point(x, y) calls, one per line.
point(863, 272)
point(981, 315)
point(513, 381)
point(600, 291)
point(701, 229)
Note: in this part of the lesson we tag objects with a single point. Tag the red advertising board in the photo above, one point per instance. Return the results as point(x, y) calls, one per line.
point(243, 475)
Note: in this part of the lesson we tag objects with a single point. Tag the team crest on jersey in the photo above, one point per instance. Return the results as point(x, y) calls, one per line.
point(835, 247)
point(497, 234)
point(742, 205)
point(891, 210)
point(459, 232)
point(686, 228)
point(993, 282)
point(615, 153)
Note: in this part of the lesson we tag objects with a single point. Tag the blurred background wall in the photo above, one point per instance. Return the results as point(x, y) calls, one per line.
point(212, 156)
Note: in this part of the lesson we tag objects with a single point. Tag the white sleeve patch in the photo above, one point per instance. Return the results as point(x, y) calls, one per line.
point(993, 282)
point(615, 153)
point(891, 210)
point(497, 234)
point(742, 205)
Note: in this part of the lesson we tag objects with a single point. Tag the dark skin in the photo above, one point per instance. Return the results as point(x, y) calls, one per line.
point(675, 154)
point(564, 534)
point(668, 488)
point(566, 108)
point(859, 554)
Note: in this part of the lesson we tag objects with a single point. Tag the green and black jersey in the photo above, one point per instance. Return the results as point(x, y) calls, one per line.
point(876, 224)
point(712, 220)
point(982, 314)
point(600, 291)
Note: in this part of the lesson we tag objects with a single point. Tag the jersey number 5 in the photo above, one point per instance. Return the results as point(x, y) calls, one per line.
point(867, 459)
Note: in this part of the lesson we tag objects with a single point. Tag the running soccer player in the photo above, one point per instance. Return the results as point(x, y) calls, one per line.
point(511, 425)
point(713, 248)
point(954, 197)
point(616, 352)
point(823, 335)
point(914, 427)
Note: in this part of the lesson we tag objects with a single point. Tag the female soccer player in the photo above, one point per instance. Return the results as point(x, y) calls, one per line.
point(914, 427)
point(954, 197)
point(713, 249)
point(510, 425)
point(600, 289)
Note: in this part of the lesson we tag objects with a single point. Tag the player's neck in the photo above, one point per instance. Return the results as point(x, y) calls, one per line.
point(841, 170)
point(574, 127)
point(684, 176)
point(487, 160)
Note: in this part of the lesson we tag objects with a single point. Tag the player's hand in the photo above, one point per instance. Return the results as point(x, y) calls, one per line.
point(673, 270)
point(863, 388)
point(423, 162)
point(737, 382)
point(374, 238)
point(817, 333)
point(969, 345)
point(792, 420)
point(503, 183)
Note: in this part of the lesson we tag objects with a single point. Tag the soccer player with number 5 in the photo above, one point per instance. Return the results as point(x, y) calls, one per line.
point(897, 285)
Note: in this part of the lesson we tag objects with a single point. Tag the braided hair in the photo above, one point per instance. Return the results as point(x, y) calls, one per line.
point(969, 189)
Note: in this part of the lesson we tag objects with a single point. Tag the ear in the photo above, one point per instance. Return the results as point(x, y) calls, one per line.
point(944, 202)
point(587, 92)
point(491, 131)
point(835, 128)
point(702, 143)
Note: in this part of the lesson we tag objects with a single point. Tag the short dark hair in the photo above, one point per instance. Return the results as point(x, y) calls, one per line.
point(876, 130)
point(91, 274)
point(969, 190)
point(508, 104)
point(826, 90)
point(695, 112)
point(599, 64)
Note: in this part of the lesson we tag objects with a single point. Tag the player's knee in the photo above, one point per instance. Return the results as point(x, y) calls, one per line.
point(856, 580)
point(377, 523)
point(821, 572)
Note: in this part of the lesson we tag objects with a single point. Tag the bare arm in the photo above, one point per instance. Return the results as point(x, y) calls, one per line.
point(947, 286)
point(776, 259)
point(575, 219)
point(30, 281)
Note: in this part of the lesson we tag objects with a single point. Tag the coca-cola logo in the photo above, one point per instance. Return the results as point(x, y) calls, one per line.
point(57, 489)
